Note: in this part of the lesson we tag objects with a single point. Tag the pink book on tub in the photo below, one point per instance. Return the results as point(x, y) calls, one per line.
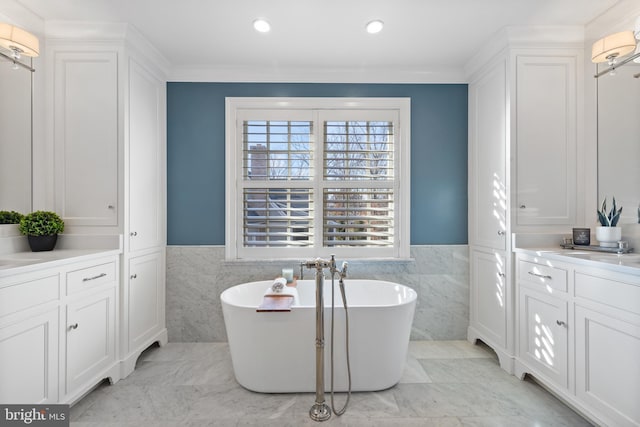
point(275, 303)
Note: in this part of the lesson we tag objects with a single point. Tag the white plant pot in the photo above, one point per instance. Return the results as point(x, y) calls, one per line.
point(608, 236)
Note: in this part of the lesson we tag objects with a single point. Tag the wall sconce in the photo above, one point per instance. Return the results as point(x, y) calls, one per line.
point(636, 32)
point(615, 46)
point(19, 42)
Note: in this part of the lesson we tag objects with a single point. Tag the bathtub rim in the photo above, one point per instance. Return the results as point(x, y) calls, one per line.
point(224, 298)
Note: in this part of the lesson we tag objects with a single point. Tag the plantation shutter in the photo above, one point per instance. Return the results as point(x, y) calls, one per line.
point(360, 155)
point(277, 212)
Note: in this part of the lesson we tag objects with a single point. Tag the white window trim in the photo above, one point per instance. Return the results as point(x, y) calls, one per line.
point(233, 163)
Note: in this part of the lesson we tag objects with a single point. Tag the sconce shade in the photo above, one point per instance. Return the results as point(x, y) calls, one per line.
point(613, 46)
point(636, 31)
point(12, 38)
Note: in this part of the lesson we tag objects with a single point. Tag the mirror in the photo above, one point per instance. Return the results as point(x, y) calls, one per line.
point(619, 140)
point(15, 137)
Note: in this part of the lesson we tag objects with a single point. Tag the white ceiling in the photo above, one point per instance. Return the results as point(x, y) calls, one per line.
point(321, 35)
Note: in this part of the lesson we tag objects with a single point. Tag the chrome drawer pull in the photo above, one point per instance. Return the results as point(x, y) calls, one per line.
point(87, 279)
point(561, 323)
point(74, 326)
point(542, 276)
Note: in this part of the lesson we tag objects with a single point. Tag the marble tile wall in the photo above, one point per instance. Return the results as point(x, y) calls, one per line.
point(196, 275)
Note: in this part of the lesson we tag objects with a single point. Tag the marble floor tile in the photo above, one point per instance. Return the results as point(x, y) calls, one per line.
point(414, 372)
point(466, 370)
point(448, 350)
point(445, 384)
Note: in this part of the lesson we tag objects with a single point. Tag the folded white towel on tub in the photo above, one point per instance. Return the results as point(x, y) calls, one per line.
point(285, 290)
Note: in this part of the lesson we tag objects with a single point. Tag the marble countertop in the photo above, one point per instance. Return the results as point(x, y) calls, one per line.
point(24, 262)
point(626, 263)
point(16, 258)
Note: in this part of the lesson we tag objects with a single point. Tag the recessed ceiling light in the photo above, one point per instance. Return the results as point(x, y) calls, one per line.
point(262, 25)
point(374, 26)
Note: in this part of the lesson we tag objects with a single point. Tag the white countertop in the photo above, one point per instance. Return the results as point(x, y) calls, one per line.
point(16, 258)
point(626, 263)
point(24, 262)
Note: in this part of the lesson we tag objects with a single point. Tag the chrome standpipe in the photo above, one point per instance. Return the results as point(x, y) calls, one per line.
point(320, 411)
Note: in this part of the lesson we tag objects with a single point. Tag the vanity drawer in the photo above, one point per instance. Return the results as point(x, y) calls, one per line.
point(28, 293)
point(89, 277)
point(544, 275)
point(616, 290)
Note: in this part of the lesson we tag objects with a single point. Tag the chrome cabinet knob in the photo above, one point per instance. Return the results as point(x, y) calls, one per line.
point(134, 276)
point(561, 323)
point(133, 233)
point(500, 233)
point(523, 207)
point(74, 326)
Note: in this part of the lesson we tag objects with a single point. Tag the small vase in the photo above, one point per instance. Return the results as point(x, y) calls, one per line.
point(42, 243)
point(608, 237)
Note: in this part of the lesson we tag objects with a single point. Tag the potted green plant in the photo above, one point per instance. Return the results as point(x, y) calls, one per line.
point(608, 233)
point(41, 229)
point(10, 217)
point(9, 221)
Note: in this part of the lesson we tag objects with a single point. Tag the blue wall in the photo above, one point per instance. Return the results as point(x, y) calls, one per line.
point(195, 155)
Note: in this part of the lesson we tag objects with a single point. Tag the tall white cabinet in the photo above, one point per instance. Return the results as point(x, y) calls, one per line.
point(523, 130)
point(108, 125)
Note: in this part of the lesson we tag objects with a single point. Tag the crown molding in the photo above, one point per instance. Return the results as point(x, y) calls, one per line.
point(314, 75)
point(620, 17)
point(540, 37)
point(101, 33)
point(16, 14)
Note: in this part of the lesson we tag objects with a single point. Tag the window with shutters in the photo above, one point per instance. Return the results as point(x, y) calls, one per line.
point(310, 177)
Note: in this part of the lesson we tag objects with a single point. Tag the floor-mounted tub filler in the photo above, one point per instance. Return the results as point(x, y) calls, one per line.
point(276, 352)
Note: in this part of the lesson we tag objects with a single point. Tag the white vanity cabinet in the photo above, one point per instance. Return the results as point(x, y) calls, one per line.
point(58, 335)
point(118, 104)
point(543, 345)
point(90, 313)
point(579, 334)
point(490, 308)
point(607, 336)
point(90, 330)
point(545, 139)
point(85, 132)
point(29, 340)
point(489, 311)
point(143, 307)
point(523, 127)
point(145, 162)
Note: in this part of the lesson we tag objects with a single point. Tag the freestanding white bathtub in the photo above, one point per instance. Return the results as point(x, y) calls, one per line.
point(274, 352)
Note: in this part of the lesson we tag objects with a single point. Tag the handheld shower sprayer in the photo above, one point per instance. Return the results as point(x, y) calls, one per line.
point(343, 270)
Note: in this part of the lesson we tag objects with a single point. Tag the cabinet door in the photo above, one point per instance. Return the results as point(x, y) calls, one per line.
point(543, 335)
point(608, 364)
point(489, 296)
point(91, 337)
point(29, 360)
point(488, 140)
point(145, 159)
point(86, 137)
point(145, 299)
point(546, 129)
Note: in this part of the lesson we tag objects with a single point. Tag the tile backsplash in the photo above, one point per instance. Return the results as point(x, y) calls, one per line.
point(197, 275)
